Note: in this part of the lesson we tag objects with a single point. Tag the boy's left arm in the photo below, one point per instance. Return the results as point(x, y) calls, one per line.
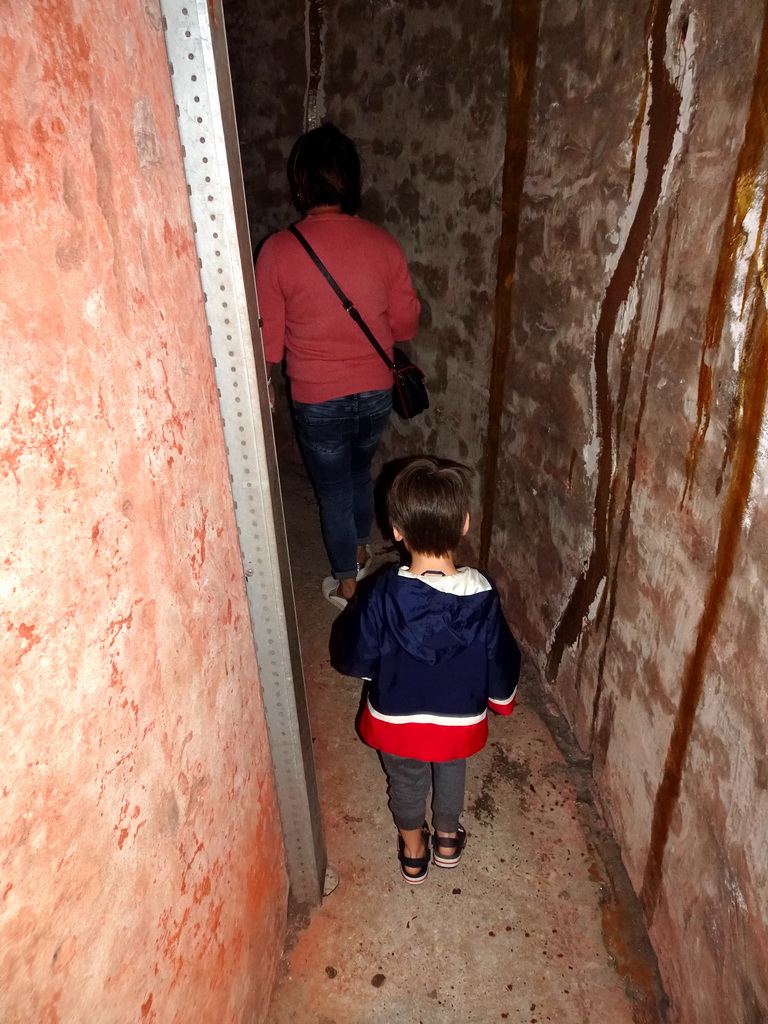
point(503, 664)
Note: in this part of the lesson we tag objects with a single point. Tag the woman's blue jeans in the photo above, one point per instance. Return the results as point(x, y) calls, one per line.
point(338, 439)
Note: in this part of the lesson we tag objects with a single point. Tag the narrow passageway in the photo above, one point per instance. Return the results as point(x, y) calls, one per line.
point(579, 192)
point(528, 928)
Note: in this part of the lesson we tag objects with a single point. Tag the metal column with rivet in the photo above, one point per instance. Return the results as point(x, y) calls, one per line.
point(199, 65)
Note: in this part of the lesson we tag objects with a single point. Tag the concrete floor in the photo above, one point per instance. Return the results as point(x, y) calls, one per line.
point(538, 922)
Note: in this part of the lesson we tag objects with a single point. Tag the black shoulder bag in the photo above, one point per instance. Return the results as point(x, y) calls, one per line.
point(409, 393)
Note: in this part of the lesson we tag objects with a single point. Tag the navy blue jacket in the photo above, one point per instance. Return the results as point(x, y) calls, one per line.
point(436, 662)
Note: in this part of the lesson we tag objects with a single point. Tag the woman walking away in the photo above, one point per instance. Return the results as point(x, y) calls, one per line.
point(341, 389)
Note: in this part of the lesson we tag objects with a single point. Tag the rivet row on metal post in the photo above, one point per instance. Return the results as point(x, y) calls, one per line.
point(197, 54)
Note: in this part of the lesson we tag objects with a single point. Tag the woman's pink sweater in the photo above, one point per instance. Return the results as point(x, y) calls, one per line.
point(327, 355)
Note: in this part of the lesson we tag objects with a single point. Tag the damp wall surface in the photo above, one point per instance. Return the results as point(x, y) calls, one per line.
point(268, 60)
point(630, 518)
point(142, 861)
point(422, 88)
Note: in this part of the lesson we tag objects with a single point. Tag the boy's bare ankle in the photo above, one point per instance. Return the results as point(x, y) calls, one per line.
point(415, 851)
point(347, 588)
point(414, 843)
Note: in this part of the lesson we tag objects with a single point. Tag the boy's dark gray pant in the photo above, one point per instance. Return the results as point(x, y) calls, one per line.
point(409, 782)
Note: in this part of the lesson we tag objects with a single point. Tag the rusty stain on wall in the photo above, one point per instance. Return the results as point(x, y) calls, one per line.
point(747, 425)
point(600, 749)
point(647, 615)
point(662, 121)
point(741, 200)
point(754, 381)
point(523, 47)
point(620, 687)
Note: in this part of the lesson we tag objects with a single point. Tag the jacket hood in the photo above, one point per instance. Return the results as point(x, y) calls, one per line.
point(430, 625)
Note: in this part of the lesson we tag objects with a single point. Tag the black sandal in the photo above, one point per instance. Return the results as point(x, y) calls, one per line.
point(422, 863)
point(457, 845)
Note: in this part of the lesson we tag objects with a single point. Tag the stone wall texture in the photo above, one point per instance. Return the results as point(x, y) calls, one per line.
point(581, 190)
point(269, 80)
point(422, 88)
point(270, 83)
point(142, 864)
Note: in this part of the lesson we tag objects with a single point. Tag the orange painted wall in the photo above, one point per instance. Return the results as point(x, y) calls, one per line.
point(141, 864)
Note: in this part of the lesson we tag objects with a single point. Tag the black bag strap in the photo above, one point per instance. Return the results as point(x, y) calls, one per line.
point(346, 303)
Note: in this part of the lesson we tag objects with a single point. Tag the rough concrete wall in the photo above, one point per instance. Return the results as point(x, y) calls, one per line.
point(142, 870)
point(631, 521)
point(422, 88)
point(268, 57)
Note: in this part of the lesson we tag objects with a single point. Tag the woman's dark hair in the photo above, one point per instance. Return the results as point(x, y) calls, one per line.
point(324, 170)
point(428, 502)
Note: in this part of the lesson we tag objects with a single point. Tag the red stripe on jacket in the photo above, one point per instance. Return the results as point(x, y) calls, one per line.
point(423, 741)
point(502, 709)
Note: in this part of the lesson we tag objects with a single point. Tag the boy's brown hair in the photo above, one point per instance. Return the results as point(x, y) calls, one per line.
point(428, 502)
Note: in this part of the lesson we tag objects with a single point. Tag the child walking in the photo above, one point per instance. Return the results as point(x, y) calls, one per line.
point(433, 642)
